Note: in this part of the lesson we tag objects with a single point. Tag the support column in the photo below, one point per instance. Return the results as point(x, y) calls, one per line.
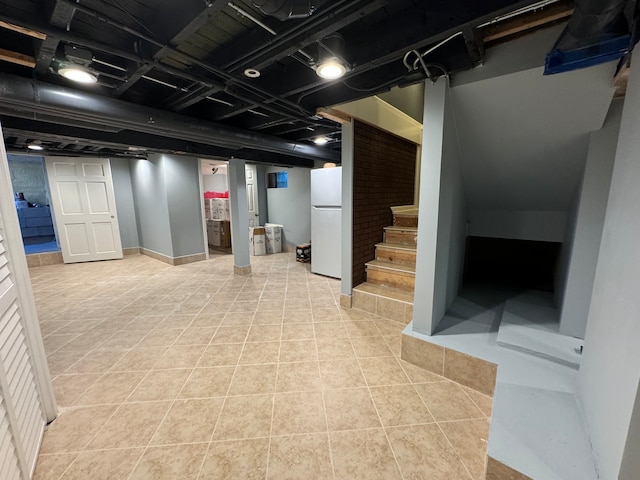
point(430, 172)
point(346, 283)
point(239, 217)
point(610, 367)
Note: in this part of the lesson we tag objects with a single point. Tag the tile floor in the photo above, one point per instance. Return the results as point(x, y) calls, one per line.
point(191, 372)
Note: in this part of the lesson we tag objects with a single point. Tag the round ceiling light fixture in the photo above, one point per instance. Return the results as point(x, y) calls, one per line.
point(251, 73)
point(78, 74)
point(321, 140)
point(331, 69)
point(35, 146)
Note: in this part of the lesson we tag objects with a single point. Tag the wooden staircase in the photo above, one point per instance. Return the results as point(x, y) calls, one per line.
point(388, 291)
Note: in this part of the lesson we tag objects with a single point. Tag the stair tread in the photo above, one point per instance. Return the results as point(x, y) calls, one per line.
point(395, 228)
point(394, 293)
point(398, 246)
point(392, 266)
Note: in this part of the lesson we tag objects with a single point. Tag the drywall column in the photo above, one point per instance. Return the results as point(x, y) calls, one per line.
point(239, 217)
point(588, 229)
point(610, 367)
point(346, 283)
point(430, 170)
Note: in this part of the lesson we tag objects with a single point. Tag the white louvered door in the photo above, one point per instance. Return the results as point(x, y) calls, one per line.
point(23, 417)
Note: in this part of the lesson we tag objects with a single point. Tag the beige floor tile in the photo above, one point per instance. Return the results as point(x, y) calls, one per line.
point(124, 339)
point(422, 451)
point(363, 455)
point(268, 318)
point(298, 377)
point(371, 347)
point(237, 459)
point(395, 344)
point(382, 371)
point(363, 328)
point(180, 356)
point(447, 401)
point(139, 358)
point(160, 385)
point(68, 388)
point(221, 355)
point(232, 334)
point(111, 388)
point(74, 428)
point(350, 409)
point(298, 412)
point(388, 327)
point(354, 314)
point(61, 360)
point(245, 417)
point(253, 379)
point(300, 456)
point(298, 331)
point(260, 352)
point(469, 439)
point(237, 318)
point(104, 465)
point(334, 348)
point(419, 375)
point(96, 361)
point(341, 374)
point(196, 336)
point(170, 462)
point(323, 314)
point(54, 342)
point(330, 330)
point(482, 401)
point(188, 421)
point(207, 382)
point(51, 467)
point(298, 316)
point(208, 320)
point(400, 405)
point(298, 351)
point(264, 333)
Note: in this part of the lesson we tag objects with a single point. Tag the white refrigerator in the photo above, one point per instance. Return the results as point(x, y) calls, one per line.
point(326, 221)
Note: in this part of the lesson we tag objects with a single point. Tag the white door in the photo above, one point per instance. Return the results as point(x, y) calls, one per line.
point(326, 241)
point(252, 195)
point(22, 418)
point(84, 208)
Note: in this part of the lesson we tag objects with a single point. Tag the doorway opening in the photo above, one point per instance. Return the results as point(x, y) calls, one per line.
point(217, 218)
point(515, 264)
point(32, 199)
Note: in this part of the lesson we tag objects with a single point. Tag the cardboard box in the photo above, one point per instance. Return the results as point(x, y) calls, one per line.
point(216, 209)
point(219, 233)
point(257, 241)
point(273, 233)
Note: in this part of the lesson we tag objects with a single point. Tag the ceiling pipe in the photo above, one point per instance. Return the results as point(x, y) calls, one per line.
point(43, 98)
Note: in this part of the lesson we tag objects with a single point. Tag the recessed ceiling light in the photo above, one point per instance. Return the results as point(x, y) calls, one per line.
point(321, 140)
point(331, 69)
point(78, 74)
point(35, 146)
point(251, 73)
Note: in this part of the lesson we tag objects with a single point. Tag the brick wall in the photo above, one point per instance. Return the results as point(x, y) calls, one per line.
point(383, 176)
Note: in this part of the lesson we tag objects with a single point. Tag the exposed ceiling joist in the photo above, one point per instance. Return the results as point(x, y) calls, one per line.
point(17, 58)
point(24, 31)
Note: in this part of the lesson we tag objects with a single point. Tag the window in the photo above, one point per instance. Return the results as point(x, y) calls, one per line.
point(277, 179)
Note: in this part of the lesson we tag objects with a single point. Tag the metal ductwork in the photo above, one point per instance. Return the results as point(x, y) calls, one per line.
point(35, 97)
point(599, 31)
point(285, 9)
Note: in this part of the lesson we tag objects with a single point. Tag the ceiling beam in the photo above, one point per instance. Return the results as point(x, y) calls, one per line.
point(527, 21)
point(212, 9)
point(17, 58)
point(60, 17)
point(24, 31)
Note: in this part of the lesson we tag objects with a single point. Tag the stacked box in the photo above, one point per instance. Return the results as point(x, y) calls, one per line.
point(273, 239)
point(257, 241)
point(216, 209)
point(219, 233)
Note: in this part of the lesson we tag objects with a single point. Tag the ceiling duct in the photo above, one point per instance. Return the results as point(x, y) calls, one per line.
point(285, 9)
point(599, 31)
point(43, 98)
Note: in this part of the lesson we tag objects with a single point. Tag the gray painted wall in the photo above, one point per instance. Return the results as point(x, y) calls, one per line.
point(291, 206)
point(261, 185)
point(590, 216)
point(127, 221)
point(610, 368)
point(215, 183)
point(182, 178)
point(544, 226)
point(452, 220)
point(442, 214)
point(151, 206)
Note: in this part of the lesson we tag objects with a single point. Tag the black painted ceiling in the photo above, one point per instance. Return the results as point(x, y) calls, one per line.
point(188, 57)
